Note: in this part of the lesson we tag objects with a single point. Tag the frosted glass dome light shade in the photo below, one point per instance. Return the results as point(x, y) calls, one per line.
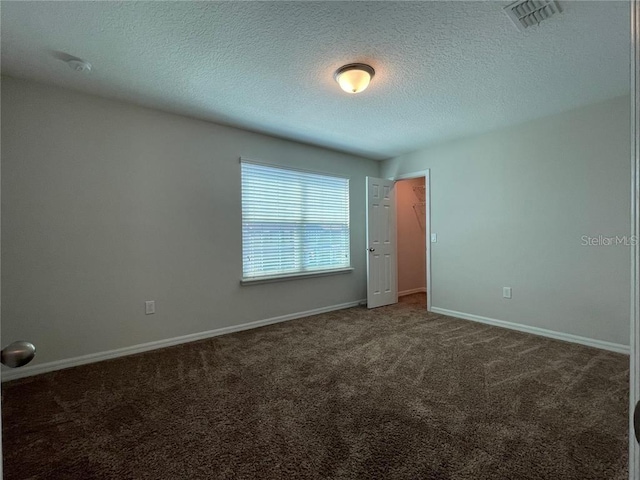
point(355, 77)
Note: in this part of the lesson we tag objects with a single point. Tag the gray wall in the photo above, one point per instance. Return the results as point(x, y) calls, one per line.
point(510, 209)
point(106, 205)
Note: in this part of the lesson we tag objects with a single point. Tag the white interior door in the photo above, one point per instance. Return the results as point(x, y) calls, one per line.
point(382, 283)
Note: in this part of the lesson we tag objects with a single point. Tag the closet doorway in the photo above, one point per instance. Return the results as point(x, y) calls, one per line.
point(413, 238)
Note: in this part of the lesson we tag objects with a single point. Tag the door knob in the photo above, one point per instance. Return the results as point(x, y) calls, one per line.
point(636, 422)
point(17, 354)
point(371, 249)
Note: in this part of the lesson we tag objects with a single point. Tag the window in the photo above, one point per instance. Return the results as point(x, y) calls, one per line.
point(293, 222)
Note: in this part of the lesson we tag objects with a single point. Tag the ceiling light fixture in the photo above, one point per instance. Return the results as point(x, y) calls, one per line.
point(355, 77)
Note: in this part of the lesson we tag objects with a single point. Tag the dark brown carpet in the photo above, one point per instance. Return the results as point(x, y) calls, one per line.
point(393, 393)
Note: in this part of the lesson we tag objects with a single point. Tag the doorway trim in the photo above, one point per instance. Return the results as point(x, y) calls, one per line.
point(427, 222)
point(634, 367)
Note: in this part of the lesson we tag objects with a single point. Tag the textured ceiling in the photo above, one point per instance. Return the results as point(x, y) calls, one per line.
point(443, 69)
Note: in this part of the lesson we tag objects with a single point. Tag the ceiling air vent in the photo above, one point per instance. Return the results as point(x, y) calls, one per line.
point(526, 13)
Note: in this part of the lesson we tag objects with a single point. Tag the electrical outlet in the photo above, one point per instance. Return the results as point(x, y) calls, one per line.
point(506, 292)
point(149, 307)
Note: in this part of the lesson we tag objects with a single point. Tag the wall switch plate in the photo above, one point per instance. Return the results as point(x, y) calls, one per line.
point(506, 292)
point(149, 307)
point(434, 238)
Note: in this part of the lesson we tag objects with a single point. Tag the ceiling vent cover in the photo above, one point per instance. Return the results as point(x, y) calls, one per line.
point(526, 13)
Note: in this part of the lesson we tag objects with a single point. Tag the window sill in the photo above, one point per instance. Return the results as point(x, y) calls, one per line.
point(294, 276)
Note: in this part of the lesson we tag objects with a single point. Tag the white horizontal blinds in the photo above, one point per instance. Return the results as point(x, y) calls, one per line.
point(292, 221)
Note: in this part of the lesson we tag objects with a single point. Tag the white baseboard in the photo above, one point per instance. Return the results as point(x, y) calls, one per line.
point(31, 370)
point(567, 337)
point(412, 291)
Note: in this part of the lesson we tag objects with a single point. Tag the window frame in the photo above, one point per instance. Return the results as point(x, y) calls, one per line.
point(298, 274)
